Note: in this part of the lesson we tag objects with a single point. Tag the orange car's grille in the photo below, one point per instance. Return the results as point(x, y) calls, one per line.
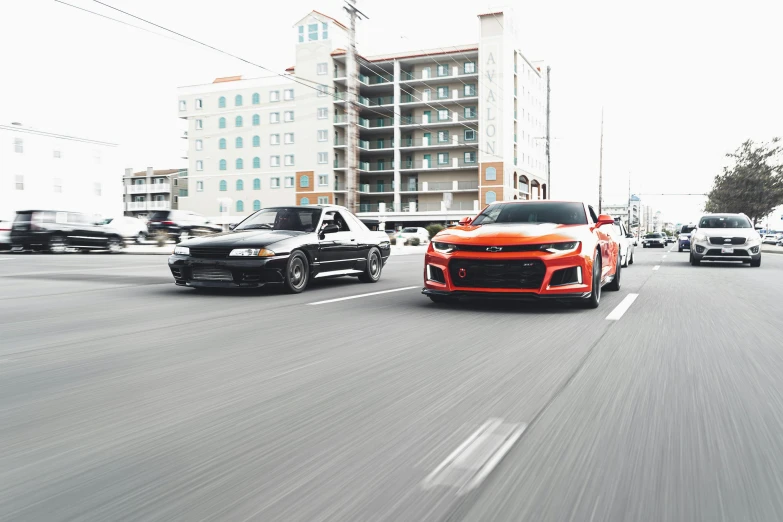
point(517, 274)
point(506, 248)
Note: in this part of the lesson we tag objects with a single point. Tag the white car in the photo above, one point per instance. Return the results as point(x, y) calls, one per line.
point(411, 232)
point(771, 239)
point(625, 240)
point(130, 228)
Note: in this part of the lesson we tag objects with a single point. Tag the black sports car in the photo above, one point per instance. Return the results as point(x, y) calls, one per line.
point(286, 246)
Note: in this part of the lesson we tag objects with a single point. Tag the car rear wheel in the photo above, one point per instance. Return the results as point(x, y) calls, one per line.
point(297, 273)
point(630, 261)
point(372, 272)
point(595, 293)
point(56, 244)
point(141, 237)
point(114, 245)
point(614, 286)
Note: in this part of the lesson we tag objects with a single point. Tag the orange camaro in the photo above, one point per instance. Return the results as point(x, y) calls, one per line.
point(525, 250)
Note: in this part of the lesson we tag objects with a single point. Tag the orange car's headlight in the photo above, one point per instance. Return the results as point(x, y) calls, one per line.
point(559, 248)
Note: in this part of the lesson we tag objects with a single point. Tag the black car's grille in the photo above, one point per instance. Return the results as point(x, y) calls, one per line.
point(209, 273)
point(518, 273)
point(732, 241)
point(738, 252)
point(506, 248)
point(209, 253)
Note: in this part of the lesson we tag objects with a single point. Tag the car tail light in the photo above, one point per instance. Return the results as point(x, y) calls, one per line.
point(167, 223)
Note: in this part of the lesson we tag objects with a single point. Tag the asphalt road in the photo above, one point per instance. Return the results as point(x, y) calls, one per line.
point(123, 397)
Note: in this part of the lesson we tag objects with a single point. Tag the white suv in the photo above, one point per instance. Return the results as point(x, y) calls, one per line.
point(725, 237)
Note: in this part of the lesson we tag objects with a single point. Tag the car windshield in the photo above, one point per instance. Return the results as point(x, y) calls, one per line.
point(725, 222)
point(533, 212)
point(159, 216)
point(654, 236)
point(409, 231)
point(298, 219)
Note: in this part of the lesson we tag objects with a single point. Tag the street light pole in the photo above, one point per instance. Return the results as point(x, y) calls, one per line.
point(548, 157)
point(601, 167)
point(352, 150)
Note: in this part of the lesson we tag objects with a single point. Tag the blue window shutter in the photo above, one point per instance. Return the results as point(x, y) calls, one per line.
point(256, 98)
point(256, 184)
point(238, 121)
point(240, 185)
point(256, 141)
point(238, 100)
point(239, 164)
point(239, 143)
point(490, 197)
point(222, 143)
point(304, 201)
point(222, 102)
point(491, 174)
point(256, 119)
point(223, 185)
point(256, 205)
point(240, 206)
point(256, 163)
point(222, 123)
point(222, 167)
point(304, 181)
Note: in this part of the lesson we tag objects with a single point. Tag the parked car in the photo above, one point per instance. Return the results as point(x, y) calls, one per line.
point(772, 239)
point(525, 250)
point(5, 233)
point(179, 224)
point(621, 235)
point(283, 246)
point(655, 239)
point(725, 237)
point(56, 231)
point(130, 228)
point(411, 232)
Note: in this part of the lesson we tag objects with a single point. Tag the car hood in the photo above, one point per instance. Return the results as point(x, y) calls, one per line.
point(242, 238)
point(512, 233)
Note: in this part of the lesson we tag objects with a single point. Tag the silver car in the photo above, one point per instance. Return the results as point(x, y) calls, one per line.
point(725, 237)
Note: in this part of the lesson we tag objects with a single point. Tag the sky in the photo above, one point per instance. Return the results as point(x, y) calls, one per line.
point(680, 83)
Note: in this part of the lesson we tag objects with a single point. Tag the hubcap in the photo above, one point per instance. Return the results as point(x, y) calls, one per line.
point(374, 265)
point(297, 273)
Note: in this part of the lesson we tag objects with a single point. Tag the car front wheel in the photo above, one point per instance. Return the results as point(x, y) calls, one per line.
point(755, 262)
point(297, 273)
point(57, 244)
point(614, 286)
point(372, 272)
point(694, 261)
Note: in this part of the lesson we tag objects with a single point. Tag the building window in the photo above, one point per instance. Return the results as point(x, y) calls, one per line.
point(238, 100)
point(274, 183)
point(97, 189)
point(323, 180)
point(257, 184)
point(256, 120)
point(323, 113)
point(301, 33)
point(199, 124)
point(288, 94)
point(199, 145)
point(239, 164)
point(222, 123)
point(289, 182)
point(443, 136)
point(470, 135)
point(222, 102)
point(58, 185)
point(19, 145)
point(274, 117)
point(491, 174)
point(470, 157)
point(289, 115)
point(274, 161)
point(322, 90)
point(19, 182)
point(238, 121)
point(323, 157)
point(470, 112)
point(289, 138)
point(304, 181)
point(222, 165)
point(256, 162)
point(490, 197)
point(274, 139)
point(444, 115)
point(221, 208)
point(322, 68)
point(239, 142)
point(443, 158)
point(199, 103)
point(240, 206)
point(274, 96)
point(289, 160)
point(240, 185)
point(57, 154)
point(222, 143)
point(443, 91)
point(256, 98)
point(324, 31)
point(256, 141)
point(443, 70)
point(256, 205)
point(323, 135)
point(223, 185)
point(469, 68)
point(182, 105)
point(470, 89)
point(199, 165)
point(199, 186)
point(312, 32)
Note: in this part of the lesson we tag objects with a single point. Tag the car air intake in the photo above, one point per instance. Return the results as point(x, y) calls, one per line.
point(513, 274)
point(565, 276)
point(434, 273)
point(209, 253)
point(205, 273)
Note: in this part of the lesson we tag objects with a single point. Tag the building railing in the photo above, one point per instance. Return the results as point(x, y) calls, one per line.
point(434, 97)
point(432, 164)
point(146, 188)
point(406, 76)
point(367, 101)
point(375, 79)
point(453, 141)
point(433, 119)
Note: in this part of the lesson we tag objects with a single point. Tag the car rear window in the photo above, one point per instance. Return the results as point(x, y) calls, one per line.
point(654, 236)
point(159, 215)
point(409, 230)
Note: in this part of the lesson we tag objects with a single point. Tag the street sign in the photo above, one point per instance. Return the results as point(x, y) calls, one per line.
point(448, 199)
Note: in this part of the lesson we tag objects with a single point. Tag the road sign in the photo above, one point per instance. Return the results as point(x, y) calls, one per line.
point(448, 199)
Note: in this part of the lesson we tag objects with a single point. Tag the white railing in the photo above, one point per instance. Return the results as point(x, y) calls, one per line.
point(136, 189)
point(158, 205)
point(136, 205)
point(159, 187)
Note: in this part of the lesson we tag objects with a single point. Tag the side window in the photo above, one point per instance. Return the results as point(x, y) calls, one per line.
point(593, 215)
point(341, 222)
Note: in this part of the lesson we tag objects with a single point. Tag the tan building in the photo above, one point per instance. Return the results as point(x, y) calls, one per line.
point(150, 190)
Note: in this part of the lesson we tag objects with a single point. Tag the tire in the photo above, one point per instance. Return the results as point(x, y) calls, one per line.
point(297, 273)
point(644, 246)
point(372, 272)
point(694, 261)
point(630, 261)
point(140, 238)
point(595, 294)
point(755, 263)
point(679, 250)
point(114, 244)
point(624, 260)
point(614, 286)
point(56, 244)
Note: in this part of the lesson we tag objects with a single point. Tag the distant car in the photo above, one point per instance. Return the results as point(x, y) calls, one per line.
point(130, 228)
point(725, 237)
point(626, 242)
point(411, 232)
point(772, 239)
point(654, 240)
point(669, 239)
point(180, 224)
point(55, 232)
point(5, 233)
point(684, 238)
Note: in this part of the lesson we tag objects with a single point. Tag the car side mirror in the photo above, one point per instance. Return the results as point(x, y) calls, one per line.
point(232, 226)
point(329, 229)
point(605, 219)
point(465, 221)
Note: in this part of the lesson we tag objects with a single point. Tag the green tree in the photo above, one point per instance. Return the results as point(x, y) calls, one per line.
point(753, 185)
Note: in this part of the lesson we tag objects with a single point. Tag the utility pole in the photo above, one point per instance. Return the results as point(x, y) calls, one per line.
point(352, 149)
point(630, 211)
point(548, 159)
point(601, 167)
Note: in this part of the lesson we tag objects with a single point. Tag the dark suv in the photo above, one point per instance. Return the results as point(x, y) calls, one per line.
point(178, 223)
point(55, 231)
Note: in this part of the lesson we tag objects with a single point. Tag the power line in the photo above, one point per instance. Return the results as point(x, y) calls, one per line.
point(115, 20)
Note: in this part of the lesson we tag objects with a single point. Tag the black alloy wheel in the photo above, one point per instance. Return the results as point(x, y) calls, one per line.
point(297, 273)
point(372, 272)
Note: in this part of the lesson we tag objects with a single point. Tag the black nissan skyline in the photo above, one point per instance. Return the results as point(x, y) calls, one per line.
point(285, 246)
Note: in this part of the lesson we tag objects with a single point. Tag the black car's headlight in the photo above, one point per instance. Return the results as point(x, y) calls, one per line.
point(181, 251)
point(251, 252)
point(559, 248)
point(443, 248)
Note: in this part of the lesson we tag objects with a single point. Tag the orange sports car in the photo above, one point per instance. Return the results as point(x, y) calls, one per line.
point(525, 250)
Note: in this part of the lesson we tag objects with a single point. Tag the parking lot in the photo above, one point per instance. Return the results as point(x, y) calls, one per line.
point(125, 397)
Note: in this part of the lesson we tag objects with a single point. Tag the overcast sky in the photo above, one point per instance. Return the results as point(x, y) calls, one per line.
point(681, 82)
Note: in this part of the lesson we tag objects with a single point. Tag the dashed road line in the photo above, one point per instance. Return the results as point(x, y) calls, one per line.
point(656, 267)
point(363, 295)
point(623, 307)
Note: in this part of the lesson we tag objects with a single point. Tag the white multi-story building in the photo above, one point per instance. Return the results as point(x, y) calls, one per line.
point(151, 190)
point(51, 171)
point(441, 132)
point(620, 211)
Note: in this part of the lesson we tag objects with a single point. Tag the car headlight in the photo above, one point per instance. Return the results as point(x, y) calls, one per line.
point(251, 252)
point(443, 248)
point(700, 237)
point(555, 248)
point(181, 251)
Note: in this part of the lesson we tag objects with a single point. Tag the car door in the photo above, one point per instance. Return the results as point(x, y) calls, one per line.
point(605, 245)
point(337, 251)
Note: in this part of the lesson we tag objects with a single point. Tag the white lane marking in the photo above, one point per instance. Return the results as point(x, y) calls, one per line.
point(664, 257)
point(129, 268)
point(656, 267)
point(623, 307)
point(363, 295)
point(468, 465)
point(6, 258)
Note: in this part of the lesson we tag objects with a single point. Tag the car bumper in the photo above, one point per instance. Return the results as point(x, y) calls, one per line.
point(503, 276)
point(227, 273)
point(683, 244)
point(654, 244)
point(708, 252)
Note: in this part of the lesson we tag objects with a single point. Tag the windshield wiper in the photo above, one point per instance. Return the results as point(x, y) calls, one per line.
point(258, 226)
